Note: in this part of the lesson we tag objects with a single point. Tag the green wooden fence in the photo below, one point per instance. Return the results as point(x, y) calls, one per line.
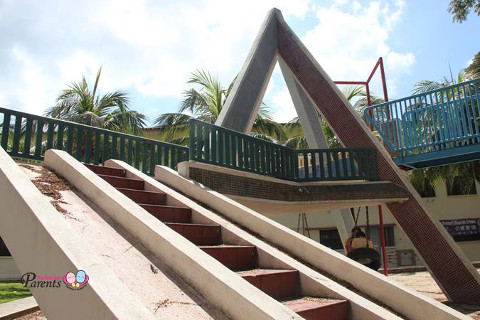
point(28, 136)
point(227, 148)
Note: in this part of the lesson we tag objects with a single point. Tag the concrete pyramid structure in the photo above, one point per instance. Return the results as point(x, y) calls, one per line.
point(313, 91)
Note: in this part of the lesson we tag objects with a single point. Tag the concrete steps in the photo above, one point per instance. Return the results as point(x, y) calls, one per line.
point(282, 285)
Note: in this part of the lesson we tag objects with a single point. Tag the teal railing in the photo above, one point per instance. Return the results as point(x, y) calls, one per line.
point(438, 120)
point(28, 136)
point(227, 148)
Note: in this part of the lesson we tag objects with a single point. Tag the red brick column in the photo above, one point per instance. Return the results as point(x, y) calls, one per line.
point(448, 265)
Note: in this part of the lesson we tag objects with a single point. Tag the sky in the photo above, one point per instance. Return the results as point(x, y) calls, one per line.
point(150, 48)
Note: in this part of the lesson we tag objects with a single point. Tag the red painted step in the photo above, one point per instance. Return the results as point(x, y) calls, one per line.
point(199, 234)
point(279, 284)
point(234, 257)
point(319, 308)
point(169, 213)
point(109, 171)
point(144, 197)
point(126, 183)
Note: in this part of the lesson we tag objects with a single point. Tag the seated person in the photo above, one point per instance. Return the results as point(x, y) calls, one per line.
point(348, 242)
point(360, 241)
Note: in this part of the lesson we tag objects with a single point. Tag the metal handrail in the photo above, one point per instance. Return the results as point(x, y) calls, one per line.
point(441, 119)
point(28, 136)
point(228, 148)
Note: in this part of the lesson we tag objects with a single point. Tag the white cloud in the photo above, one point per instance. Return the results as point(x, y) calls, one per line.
point(151, 46)
point(347, 42)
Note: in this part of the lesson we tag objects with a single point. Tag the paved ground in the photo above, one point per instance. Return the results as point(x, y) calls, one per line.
point(423, 283)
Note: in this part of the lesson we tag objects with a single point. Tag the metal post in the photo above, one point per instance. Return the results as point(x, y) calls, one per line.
point(384, 84)
point(382, 237)
point(369, 103)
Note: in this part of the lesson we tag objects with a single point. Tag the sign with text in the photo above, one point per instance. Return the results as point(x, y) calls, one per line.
point(467, 229)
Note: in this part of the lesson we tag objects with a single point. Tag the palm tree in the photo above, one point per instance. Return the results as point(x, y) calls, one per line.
point(110, 111)
point(295, 136)
point(205, 104)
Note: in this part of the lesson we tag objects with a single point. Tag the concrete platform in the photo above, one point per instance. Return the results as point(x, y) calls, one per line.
point(18, 308)
point(273, 196)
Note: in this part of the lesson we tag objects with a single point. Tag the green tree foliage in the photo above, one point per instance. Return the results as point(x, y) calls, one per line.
point(461, 8)
point(295, 137)
point(473, 70)
point(79, 104)
point(205, 102)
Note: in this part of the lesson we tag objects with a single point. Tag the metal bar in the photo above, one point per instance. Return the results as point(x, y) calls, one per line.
point(221, 147)
point(207, 144)
point(137, 154)
point(121, 155)
point(113, 146)
point(96, 151)
point(78, 155)
point(50, 135)
point(382, 237)
point(322, 165)
point(351, 82)
point(28, 137)
point(5, 130)
point(60, 130)
point(88, 146)
point(38, 140)
point(153, 150)
point(106, 142)
point(144, 157)
point(130, 151)
point(70, 140)
point(166, 156)
point(16, 135)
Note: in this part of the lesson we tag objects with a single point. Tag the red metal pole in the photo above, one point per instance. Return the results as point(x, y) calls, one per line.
point(382, 237)
point(384, 84)
point(350, 82)
point(369, 103)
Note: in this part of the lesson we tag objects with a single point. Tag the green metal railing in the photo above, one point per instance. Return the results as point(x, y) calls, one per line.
point(28, 136)
point(228, 148)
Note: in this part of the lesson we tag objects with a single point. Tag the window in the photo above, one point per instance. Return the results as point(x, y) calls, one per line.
point(331, 239)
point(389, 236)
point(458, 186)
point(3, 249)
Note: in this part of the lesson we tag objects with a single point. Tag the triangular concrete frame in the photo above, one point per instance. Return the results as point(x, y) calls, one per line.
point(448, 265)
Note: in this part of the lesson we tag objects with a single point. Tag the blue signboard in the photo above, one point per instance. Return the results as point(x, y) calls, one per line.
point(467, 229)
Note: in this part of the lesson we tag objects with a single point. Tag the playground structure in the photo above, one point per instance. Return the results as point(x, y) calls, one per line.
point(434, 128)
point(204, 256)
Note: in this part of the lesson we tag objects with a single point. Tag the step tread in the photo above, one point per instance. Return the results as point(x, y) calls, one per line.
point(307, 303)
point(226, 246)
point(143, 191)
point(114, 171)
point(312, 308)
point(192, 224)
point(262, 272)
point(164, 206)
point(119, 178)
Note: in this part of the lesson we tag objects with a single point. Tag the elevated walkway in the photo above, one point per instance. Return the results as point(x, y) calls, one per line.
point(434, 128)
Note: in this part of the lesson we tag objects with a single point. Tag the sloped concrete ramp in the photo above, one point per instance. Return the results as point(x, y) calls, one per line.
point(41, 242)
